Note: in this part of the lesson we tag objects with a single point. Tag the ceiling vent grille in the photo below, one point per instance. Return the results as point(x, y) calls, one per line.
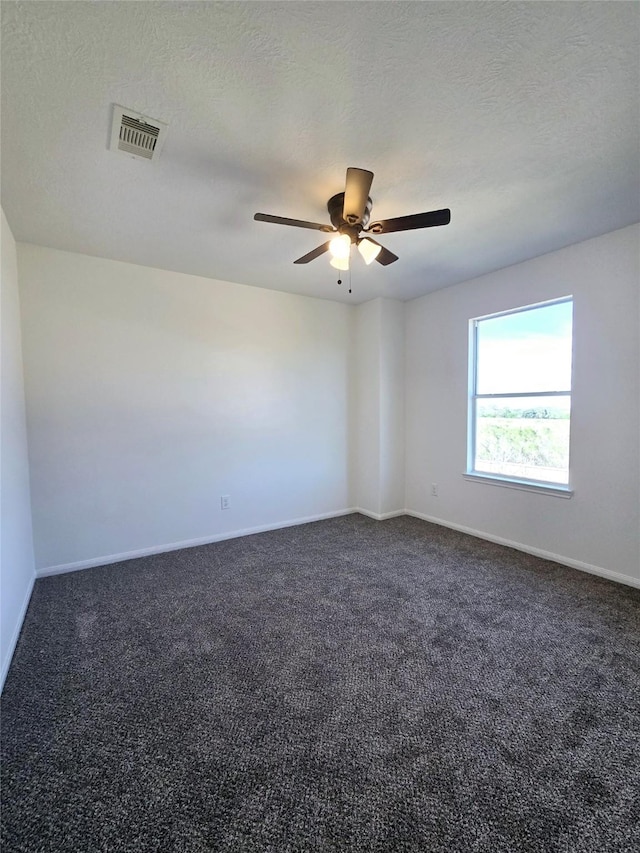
point(136, 135)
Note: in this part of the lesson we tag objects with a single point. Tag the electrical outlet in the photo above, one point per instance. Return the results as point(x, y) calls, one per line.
point(434, 490)
point(225, 502)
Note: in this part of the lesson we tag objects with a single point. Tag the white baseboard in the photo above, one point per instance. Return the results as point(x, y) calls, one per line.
point(187, 543)
point(380, 516)
point(207, 540)
point(537, 552)
point(6, 663)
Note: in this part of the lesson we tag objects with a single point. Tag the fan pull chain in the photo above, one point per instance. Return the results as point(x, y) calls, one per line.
point(340, 281)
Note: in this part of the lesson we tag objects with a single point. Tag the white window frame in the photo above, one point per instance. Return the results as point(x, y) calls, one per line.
point(540, 486)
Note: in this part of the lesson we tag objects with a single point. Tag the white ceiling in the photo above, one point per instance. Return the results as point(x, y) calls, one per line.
point(520, 117)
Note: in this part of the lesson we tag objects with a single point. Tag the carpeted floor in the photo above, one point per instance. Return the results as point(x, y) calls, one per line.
point(347, 685)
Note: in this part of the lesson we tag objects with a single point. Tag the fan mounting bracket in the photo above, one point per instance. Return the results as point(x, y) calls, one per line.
point(335, 206)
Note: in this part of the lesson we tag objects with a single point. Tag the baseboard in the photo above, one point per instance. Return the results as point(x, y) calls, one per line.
point(536, 552)
point(380, 516)
point(187, 543)
point(248, 531)
point(13, 642)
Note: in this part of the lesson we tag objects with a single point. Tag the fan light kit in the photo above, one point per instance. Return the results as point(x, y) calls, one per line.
point(350, 212)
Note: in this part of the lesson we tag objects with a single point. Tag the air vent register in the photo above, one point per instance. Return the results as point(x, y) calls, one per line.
point(136, 135)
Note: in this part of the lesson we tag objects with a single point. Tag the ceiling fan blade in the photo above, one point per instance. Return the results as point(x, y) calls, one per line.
point(311, 256)
point(384, 256)
point(298, 223)
point(408, 223)
point(356, 194)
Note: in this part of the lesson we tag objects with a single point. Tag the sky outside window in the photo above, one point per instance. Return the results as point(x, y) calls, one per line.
point(527, 351)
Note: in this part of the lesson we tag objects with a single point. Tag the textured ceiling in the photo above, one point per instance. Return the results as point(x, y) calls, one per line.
point(520, 117)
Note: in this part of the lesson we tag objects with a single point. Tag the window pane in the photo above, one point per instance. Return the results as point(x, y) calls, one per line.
point(523, 437)
point(526, 351)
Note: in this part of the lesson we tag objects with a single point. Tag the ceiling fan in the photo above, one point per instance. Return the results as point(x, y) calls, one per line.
point(350, 213)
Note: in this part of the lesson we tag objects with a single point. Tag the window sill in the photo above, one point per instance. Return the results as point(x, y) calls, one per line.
point(554, 490)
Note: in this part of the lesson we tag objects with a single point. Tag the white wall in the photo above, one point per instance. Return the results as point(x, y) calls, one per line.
point(600, 525)
point(391, 406)
point(16, 544)
point(150, 394)
point(378, 419)
point(366, 410)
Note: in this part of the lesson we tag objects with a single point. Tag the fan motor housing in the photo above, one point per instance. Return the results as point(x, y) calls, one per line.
point(335, 206)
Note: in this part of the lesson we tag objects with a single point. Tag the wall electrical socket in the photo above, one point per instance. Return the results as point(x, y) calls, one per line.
point(225, 502)
point(434, 490)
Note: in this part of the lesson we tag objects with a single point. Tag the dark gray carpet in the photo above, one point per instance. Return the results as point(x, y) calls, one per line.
point(347, 685)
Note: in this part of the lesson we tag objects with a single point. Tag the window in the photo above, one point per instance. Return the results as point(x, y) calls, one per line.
point(520, 395)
